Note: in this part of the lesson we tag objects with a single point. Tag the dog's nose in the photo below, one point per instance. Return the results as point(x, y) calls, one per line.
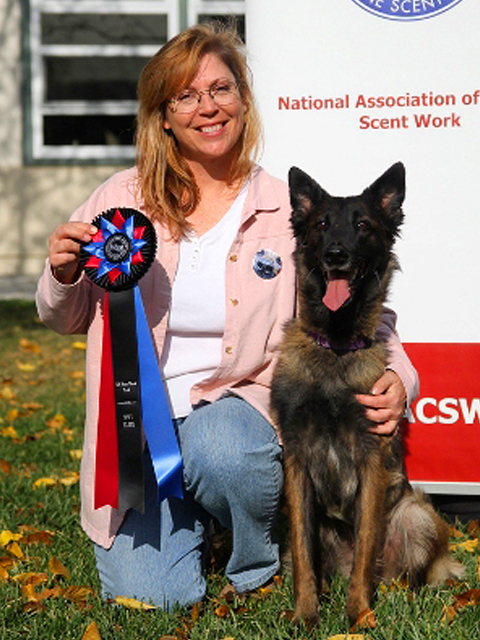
point(335, 256)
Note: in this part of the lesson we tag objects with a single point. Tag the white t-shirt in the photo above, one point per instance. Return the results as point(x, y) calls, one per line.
point(196, 325)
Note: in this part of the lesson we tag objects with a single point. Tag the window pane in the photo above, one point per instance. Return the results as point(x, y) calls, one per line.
point(107, 28)
point(93, 78)
point(88, 130)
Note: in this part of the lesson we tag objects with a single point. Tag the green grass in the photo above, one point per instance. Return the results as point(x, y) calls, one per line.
point(40, 378)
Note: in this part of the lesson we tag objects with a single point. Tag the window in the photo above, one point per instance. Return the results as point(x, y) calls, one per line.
point(83, 60)
point(85, 57)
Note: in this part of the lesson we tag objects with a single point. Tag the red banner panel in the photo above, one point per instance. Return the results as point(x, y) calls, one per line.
point(442, 438)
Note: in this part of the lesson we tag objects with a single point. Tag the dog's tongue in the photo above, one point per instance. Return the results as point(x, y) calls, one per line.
point(337, 293)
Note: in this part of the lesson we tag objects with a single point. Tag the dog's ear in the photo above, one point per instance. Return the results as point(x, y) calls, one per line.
point(305, 194)
point(388, 193)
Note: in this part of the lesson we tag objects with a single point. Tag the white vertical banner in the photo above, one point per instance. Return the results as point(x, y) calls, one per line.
point(347, 88)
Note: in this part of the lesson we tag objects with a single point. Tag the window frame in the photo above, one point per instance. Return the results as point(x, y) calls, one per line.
point(35, 53)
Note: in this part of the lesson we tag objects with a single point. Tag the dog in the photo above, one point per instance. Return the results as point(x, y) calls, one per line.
point(351, 507)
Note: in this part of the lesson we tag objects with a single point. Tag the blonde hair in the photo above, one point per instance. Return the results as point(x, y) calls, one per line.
point(167, 185)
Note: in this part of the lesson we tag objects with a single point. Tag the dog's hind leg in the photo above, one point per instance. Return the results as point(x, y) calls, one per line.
point(369, 536)
point(416, 544)
point(301, 511)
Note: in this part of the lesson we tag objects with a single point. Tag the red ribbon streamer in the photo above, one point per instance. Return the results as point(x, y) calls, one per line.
point(106, 460)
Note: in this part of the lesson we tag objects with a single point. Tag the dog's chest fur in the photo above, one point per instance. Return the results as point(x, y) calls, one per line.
point(314, 396)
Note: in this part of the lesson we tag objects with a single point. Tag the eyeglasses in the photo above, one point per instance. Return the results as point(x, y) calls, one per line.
point(222, 93)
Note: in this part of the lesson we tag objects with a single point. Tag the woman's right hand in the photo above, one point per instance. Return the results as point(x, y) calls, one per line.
point(64, 249)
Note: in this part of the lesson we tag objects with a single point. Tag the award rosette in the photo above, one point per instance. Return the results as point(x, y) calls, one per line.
point(132, 399)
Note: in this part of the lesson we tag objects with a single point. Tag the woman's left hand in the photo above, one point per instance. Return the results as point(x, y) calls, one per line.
point(385, 405)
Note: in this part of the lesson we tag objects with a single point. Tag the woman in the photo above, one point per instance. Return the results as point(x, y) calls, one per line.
point(216, 298)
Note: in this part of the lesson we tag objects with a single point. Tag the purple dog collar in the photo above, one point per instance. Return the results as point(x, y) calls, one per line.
point(355, 345)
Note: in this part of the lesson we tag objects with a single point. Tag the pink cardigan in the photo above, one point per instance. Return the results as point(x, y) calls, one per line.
point(257, 309)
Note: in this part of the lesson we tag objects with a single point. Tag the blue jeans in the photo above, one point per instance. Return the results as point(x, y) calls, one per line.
point(233, 471)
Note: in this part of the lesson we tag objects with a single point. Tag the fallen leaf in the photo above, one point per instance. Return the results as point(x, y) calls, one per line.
point(57, 568)
point(347, 636)
point(44, 482)
point(15, 550)
point(222, 611)
point(78, 594)
point(7, 562)
point(32, 406)
point(80, 345)
point(468, 598)
point(131, 603)
point(76, 454)
point(6, 537)
point(478, 569)
point(36, 537)
point(57, 422)
point(30, 578)
point(227, 593)
point(473, 528)
point(9, 432)
point(70, 478)
point(28, 345)
point(12, 415)
point(76, 375)
point(92, 632)
point(7, 393)
point(448, 614)
point(26, 367)
point(4, 575)
point(366, 620)
point(468, 545)
point(5, 467)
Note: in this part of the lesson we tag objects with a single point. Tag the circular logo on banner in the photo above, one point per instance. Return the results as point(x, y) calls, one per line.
point(122, 250)
point(406, 9)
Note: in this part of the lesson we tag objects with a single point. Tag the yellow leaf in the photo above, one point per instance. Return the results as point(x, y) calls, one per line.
point(80, 345)
point(76, 454)
point(57, 422)
point(26, 367)
point(9, 432)
point(76, 375)
point(131, 603)
point(92, 632)
point(468, 545)
point(15, 550)
point(44, 482)
point(4, 575)
point(6, 393)
point(71, 478)
point(12, 415)
point(57, 568)
point(6, 537)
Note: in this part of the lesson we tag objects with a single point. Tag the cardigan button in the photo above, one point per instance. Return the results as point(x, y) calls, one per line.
point(229, 350)
point(233, 302)
point(233, 257)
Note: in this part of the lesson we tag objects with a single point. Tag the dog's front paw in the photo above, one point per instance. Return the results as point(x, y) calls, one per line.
point(360, 616)
point(306, 610)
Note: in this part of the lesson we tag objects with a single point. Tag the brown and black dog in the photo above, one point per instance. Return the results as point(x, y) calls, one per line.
point(351, 506)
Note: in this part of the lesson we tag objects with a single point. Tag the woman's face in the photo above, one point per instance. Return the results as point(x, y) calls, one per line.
point(210, 132)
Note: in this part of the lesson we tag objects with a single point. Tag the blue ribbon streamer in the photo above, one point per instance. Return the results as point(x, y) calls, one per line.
point(157, 422)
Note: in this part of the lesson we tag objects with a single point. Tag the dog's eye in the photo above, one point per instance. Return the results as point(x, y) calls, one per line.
point(363, 225)
point(322, 224)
